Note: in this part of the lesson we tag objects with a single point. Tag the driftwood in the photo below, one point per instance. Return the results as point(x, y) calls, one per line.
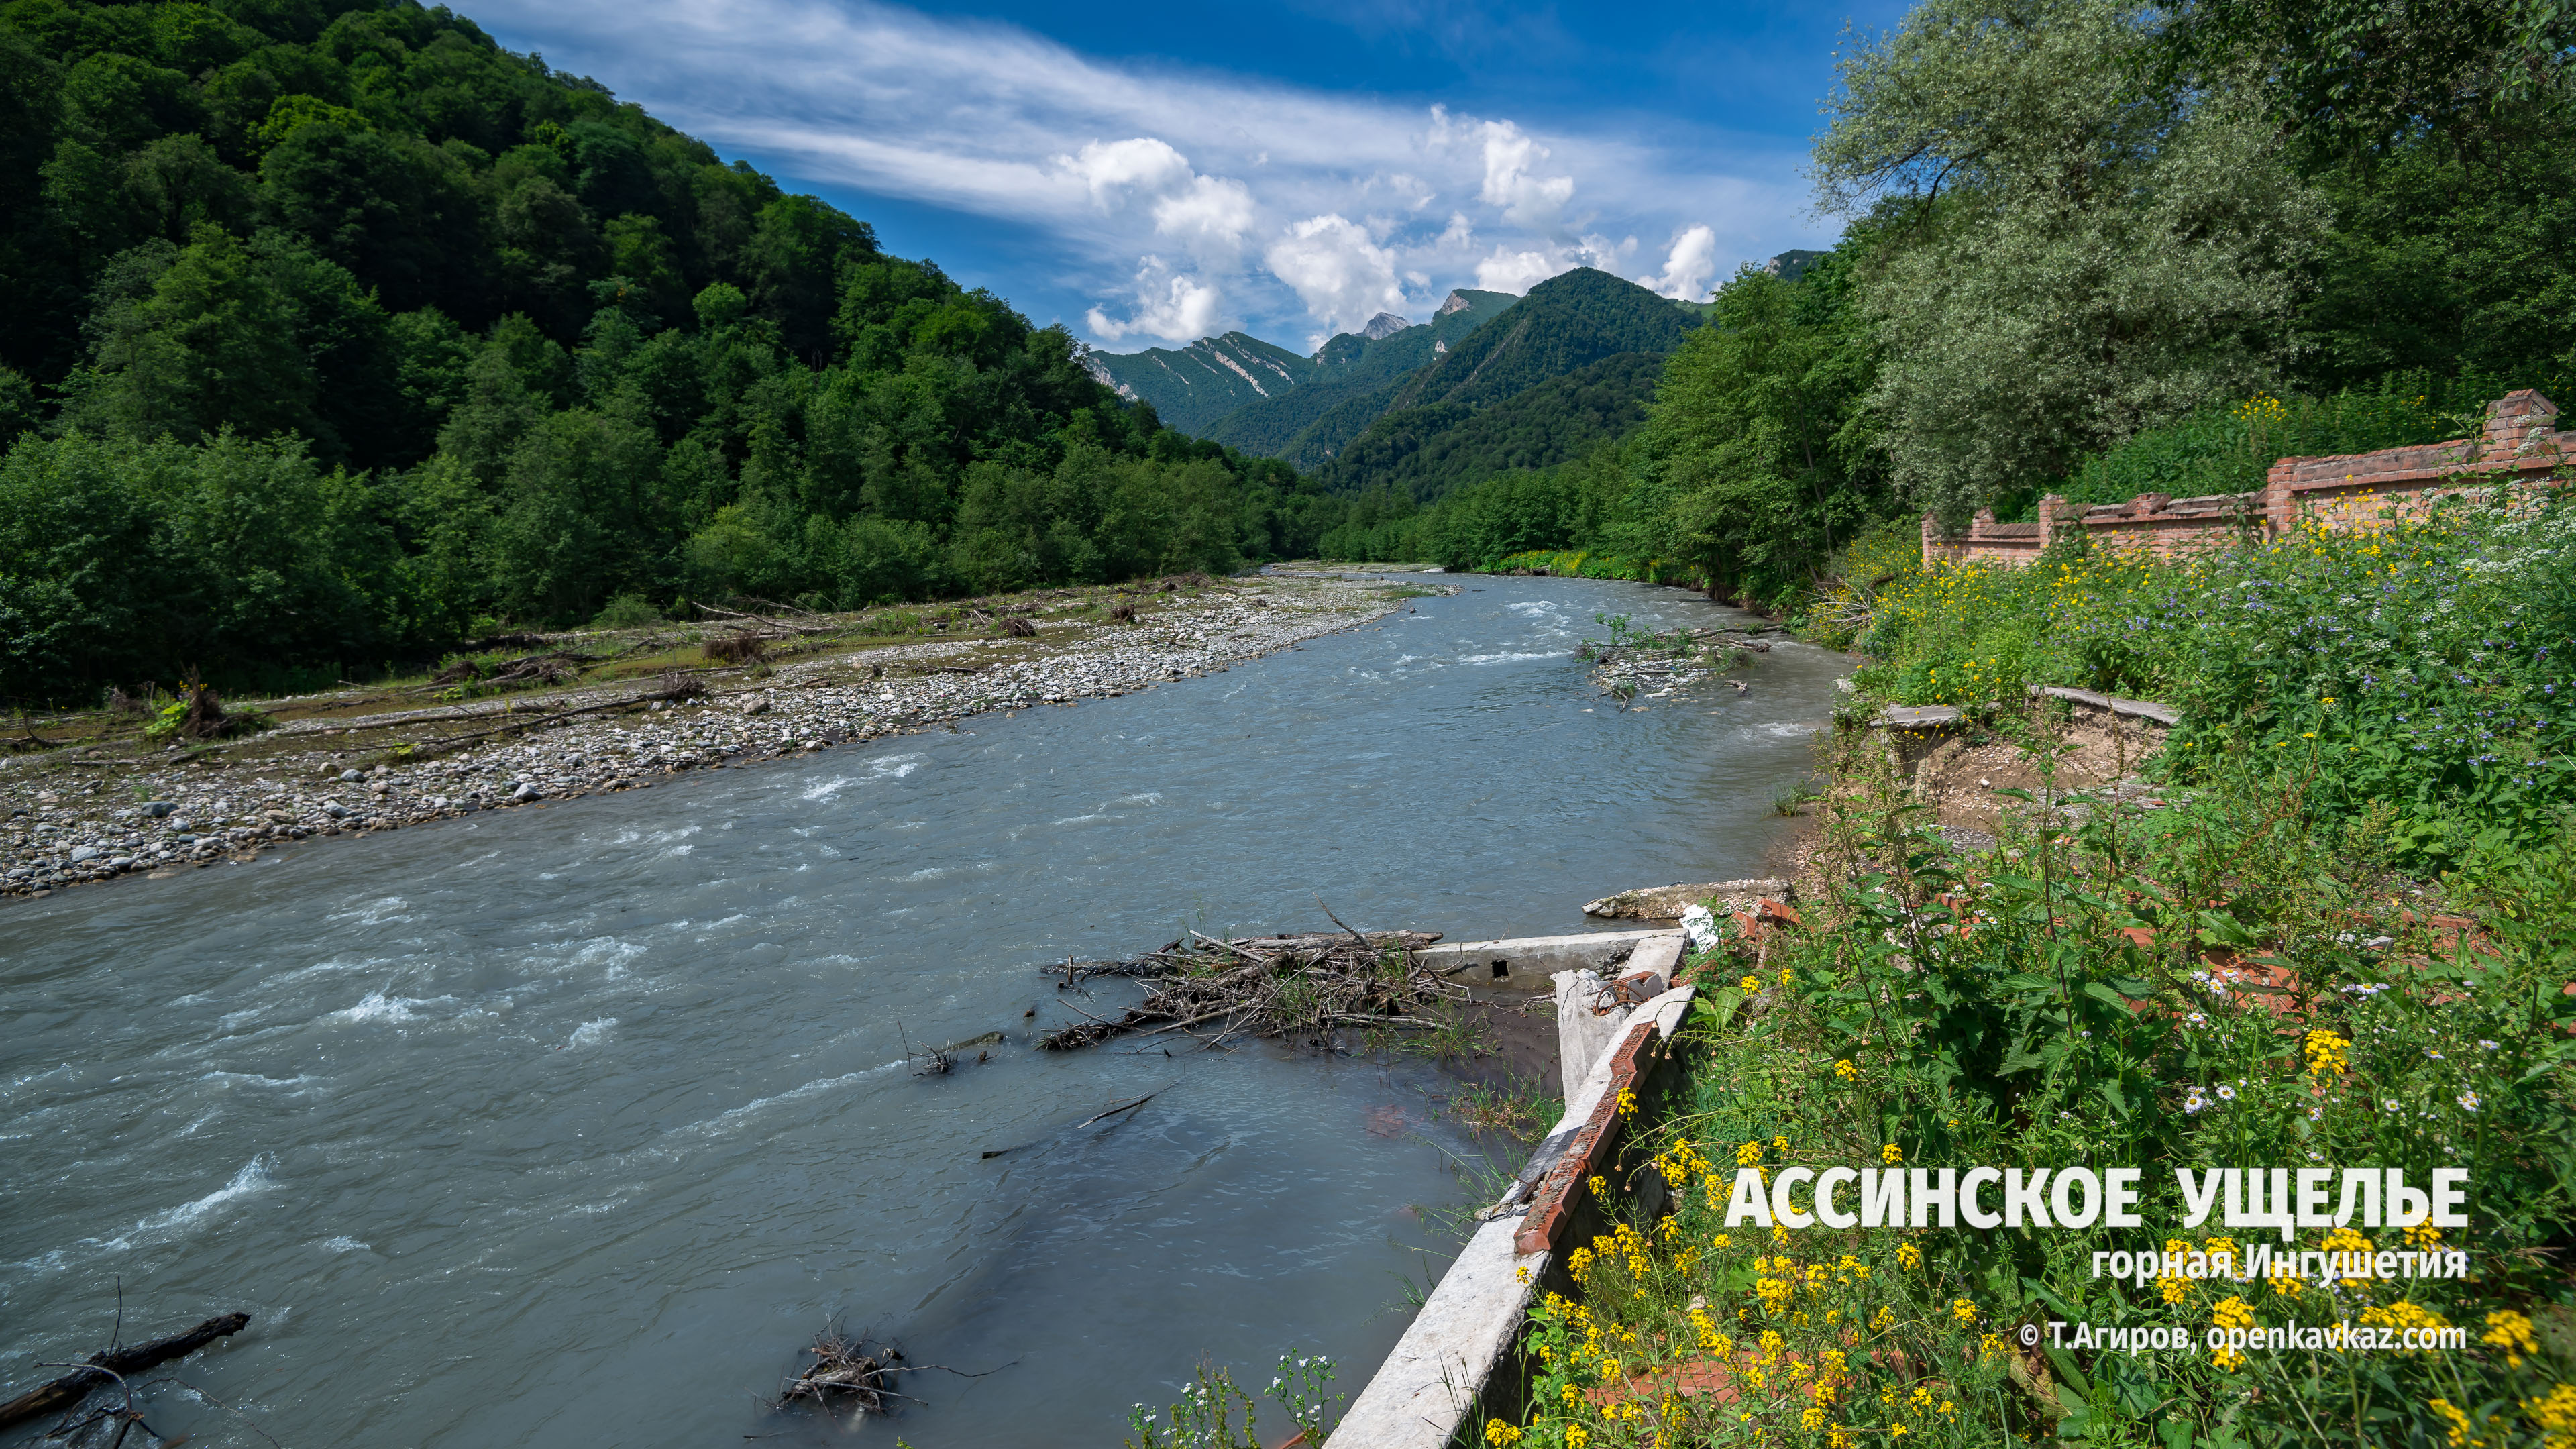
point(846, 1373)
point(105, 1368)
point(560, 667)
point(1305, 987)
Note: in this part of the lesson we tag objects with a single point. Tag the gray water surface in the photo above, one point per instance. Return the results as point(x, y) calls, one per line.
point(572, 1126)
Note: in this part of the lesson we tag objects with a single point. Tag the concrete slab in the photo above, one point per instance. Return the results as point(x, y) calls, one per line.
point(2146, 709)
point(1919, 716)
point(1526, 963)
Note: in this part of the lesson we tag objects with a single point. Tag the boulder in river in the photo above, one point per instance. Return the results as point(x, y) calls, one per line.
point(1666, 903)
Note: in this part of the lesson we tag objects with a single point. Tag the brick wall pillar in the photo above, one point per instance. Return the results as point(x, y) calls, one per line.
point(2055, 513)
point(2278, 511)
point(2512, 422)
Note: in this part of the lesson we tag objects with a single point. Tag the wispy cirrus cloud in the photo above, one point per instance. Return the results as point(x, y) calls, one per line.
point(1177, 201)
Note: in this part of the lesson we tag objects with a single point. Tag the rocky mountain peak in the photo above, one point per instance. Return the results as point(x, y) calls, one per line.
point(1386, 324)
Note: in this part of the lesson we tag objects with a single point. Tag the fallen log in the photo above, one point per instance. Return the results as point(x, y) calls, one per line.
point(104, 1368)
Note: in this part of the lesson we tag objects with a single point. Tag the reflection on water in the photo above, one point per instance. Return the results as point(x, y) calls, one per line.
point(573, 1125)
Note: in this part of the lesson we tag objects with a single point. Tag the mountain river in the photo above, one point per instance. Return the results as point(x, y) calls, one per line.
point(574, 1126)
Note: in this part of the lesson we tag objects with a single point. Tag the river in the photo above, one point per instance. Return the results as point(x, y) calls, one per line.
point(575, 1125)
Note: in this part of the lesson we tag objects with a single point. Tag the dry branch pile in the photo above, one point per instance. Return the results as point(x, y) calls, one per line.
point(741, 647)
point(1283, 987)
point(847, 1374)
point(560, 667)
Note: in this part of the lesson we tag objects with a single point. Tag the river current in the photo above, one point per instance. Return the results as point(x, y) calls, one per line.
point(573, 1126)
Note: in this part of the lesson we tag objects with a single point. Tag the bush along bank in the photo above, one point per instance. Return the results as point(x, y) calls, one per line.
point(2304, 995)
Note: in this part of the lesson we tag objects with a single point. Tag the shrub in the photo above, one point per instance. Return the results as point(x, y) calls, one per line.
point(627, 611)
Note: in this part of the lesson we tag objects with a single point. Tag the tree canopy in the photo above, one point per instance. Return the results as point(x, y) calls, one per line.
point(345, 334)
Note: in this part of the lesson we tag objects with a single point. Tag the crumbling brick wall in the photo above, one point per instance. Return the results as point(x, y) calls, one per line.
point(2520, 447)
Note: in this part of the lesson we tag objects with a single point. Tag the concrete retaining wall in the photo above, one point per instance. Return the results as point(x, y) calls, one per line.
point(1460, 1352)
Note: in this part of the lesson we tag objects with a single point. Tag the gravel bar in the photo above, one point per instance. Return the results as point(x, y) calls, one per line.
point(88, 814)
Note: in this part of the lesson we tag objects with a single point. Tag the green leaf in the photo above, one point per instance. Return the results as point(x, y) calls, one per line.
point(2020, 1059)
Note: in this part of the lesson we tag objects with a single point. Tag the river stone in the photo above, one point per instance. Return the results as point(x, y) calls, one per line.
point(1666, 903)
point(83, 855)
point(527, 792)
point(158, 808)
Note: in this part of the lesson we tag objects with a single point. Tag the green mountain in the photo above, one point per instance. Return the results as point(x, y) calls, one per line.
point(1191, 387)
point(1567, 322)
point(1427, 452)
point(1247, 394)
point(1573, 365)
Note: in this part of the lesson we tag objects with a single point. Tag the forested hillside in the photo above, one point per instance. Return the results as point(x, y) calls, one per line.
point(1192, 387)
point(2101, 251)
point(339, 334)
point(1566, 322)
point(1427, 452)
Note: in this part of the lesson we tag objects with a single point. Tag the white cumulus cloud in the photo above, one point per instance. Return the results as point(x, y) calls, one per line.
point(1171, 306)
point(1117, 168)
point(1281, 206)
point(1342, 275)
point(1212, 214)
point(1689, 267)
point(1516, 272)
point(1527, 199)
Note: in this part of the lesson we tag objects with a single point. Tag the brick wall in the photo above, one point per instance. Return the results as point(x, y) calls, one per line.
point(2519, 447)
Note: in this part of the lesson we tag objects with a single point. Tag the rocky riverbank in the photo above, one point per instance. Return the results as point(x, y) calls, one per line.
point(109, 809)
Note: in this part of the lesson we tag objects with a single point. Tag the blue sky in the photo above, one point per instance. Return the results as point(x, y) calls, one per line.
point(1151, 172)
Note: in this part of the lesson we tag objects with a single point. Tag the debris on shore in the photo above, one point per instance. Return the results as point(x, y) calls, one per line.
point(1636, 662)
point(1284, 988)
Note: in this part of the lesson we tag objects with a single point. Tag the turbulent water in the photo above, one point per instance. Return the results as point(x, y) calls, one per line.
point(574, 1126)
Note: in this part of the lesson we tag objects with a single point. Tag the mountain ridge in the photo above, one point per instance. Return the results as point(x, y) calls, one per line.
point(1195, 388)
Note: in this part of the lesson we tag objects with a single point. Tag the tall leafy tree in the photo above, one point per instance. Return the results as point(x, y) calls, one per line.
point(2073, 252)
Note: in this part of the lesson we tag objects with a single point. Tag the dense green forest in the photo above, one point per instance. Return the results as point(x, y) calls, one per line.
point(1428, 451)
point(340, 334)
point(2101, 250)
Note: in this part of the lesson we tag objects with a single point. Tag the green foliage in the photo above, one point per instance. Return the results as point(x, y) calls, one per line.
point(2228, 448)
point(1427, 452)
point(2046, 1004)
point(1207, 1415)
point(2075, 255)
point(2402, 680)
point(2448, 258)
point(1566, 322)
point(1206, 388)
point(2354, 78)
point(132, 561)
point(1755, 461)
point(357, 328)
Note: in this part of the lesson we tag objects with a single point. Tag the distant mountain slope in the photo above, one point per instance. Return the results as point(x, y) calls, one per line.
point(1426, 452)
point(1567, 322)
point(1491, 382)
point(1353, 380)
point(1193, 386)
point(1255, 396)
